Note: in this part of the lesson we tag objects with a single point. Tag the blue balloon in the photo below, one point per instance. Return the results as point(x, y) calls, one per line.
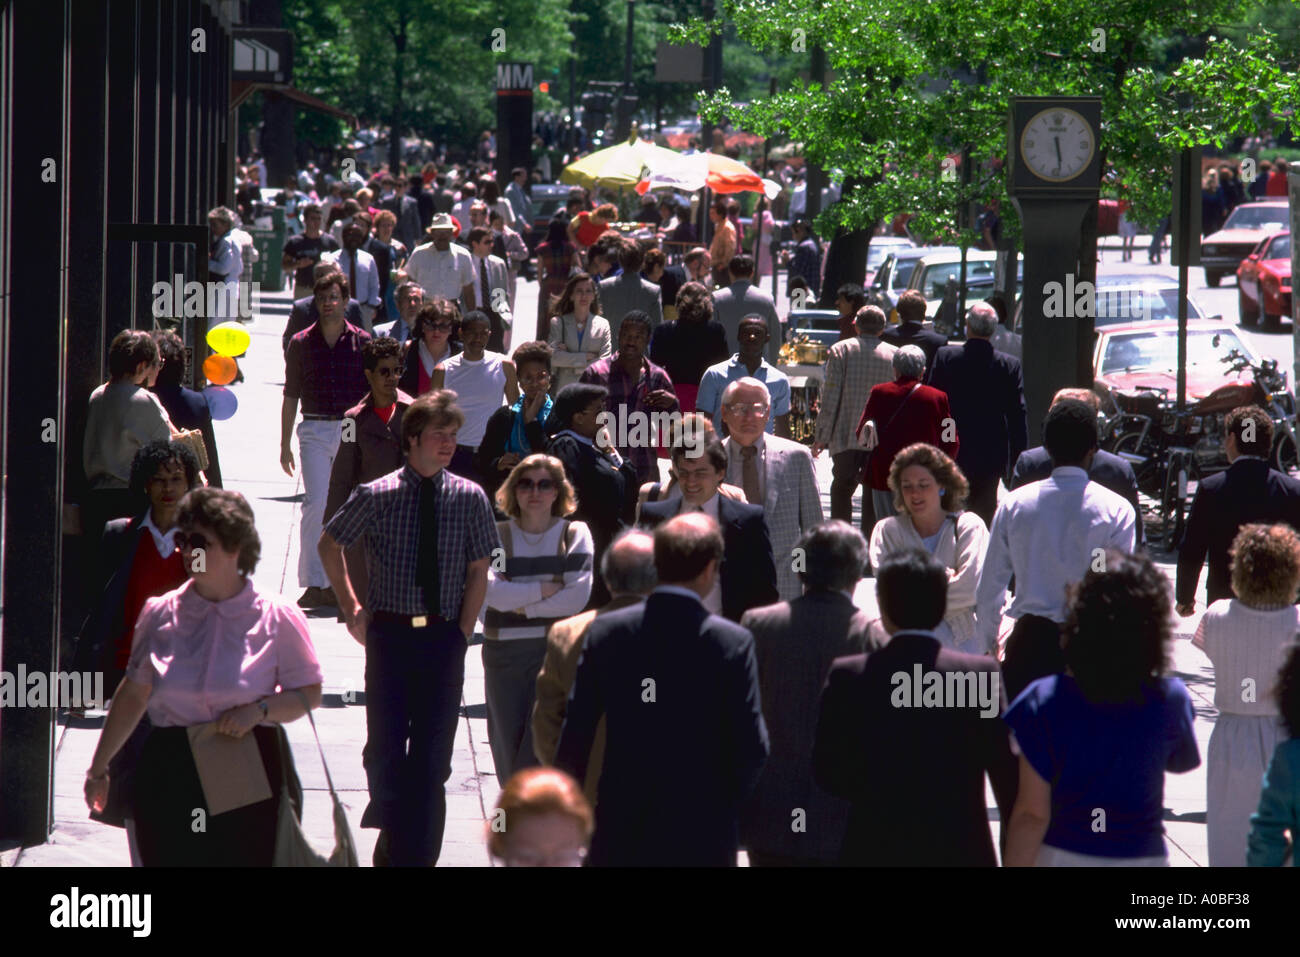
point(221, 402)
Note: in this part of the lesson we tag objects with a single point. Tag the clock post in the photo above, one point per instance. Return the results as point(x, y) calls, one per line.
point(1053, 177)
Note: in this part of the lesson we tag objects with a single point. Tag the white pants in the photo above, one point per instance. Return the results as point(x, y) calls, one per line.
point(318, 444)
point(1049, 856)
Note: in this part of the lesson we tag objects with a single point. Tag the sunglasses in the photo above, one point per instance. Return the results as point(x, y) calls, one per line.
point(541, 485)
point(186, 541)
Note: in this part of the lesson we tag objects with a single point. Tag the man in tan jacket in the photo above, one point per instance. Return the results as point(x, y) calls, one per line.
point(629, 572)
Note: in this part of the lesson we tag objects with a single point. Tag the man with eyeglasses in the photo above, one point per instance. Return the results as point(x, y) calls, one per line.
point(776, 473)
point(323, 369)
point(753, 335)
point(371, 443)
point(429, 536)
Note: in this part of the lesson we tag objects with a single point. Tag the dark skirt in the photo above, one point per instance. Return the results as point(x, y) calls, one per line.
point(167, 793)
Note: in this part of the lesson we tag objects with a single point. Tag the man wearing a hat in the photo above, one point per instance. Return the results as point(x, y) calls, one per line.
point(443, 270)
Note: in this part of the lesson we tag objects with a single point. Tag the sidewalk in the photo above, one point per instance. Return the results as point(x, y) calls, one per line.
point(249, 449)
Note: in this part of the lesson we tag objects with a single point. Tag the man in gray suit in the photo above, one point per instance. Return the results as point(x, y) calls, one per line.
point(491, 288)
point(790, 821)
point(774, 472)
point(622, 294)
point(741, 299)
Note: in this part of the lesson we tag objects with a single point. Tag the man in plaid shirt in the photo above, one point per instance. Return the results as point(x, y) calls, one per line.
point(429, 537)
point(637, 390)
point(853, 366)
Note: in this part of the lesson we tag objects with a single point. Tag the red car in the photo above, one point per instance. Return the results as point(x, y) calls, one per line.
point(1264, 281)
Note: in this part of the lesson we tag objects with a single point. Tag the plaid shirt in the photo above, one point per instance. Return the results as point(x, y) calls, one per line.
point(387, 512)
point(853, 366)
point(328, 380)
point(629, 395)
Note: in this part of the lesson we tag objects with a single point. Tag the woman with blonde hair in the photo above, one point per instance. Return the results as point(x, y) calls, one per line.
point(544, 575)
point(930, 493)
point(1246, 639)
point(542, 819)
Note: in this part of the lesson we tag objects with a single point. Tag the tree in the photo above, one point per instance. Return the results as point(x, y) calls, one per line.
point(915, 82)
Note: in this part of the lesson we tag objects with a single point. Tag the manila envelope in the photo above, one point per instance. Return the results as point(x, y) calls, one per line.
point(230, 769)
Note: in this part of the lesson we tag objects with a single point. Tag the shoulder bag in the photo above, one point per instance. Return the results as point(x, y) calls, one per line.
point(291, 846)
point(869, 435)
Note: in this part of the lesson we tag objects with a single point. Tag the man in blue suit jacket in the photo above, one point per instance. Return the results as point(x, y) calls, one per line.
point(1107, 470)
point(986, 393)
point(747, 578)
point(685, 737)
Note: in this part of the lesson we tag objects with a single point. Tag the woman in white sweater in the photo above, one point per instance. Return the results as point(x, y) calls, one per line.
point(1246, 639)
point(544, 575)
point(930, 492)
point(579, 335)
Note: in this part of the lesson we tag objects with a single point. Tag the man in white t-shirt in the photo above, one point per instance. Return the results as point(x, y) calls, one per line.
point(443, 270)
point(480, 379)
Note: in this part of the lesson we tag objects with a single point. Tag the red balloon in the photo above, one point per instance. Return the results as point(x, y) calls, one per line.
point(220, 370)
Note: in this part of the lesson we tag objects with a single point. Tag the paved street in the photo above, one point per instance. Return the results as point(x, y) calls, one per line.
point(248, 445)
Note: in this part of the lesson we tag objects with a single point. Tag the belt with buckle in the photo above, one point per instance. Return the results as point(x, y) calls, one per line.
point(313, 417)
point(407, 621)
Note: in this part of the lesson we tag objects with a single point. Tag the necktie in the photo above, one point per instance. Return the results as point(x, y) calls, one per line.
point(483, 283)
point(352, 274)
point(426, 562)
point(749, 474)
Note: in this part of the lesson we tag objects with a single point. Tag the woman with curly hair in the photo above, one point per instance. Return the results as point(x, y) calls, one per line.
point(579, 335)
point(930, 496)
point(1095, 742)
point(1279, 800)
point(1246, 639)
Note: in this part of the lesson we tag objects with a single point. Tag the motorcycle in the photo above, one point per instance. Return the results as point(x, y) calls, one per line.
point(1169, 450)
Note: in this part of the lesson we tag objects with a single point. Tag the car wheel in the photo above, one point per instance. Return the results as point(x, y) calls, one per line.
point(1212, 278)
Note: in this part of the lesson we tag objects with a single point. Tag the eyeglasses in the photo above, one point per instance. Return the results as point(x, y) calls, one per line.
point(186, 541)
point(440, 326)
point(388, 373)
point(541, 485)
point(752, 408)
point(572, 858)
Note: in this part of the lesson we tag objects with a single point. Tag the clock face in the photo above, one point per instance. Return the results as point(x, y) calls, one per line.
point(1057, 144)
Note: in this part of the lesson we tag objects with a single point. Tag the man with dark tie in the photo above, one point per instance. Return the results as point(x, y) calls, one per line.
point(491, 287)
point(429, 536)
point(747, 577)
point(358, 266)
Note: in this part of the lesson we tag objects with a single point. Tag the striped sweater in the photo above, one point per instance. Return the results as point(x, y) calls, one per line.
point(515, 607)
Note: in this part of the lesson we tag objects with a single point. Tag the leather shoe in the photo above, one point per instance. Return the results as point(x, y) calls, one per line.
point(327, 598)
point(310, 598)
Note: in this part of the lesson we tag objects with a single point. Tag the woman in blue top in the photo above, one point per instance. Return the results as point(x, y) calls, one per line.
point(1105, 732)
point(1279, 802)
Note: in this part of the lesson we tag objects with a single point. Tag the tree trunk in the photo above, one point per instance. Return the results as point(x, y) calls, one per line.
point(399, 84)
point(847, 259)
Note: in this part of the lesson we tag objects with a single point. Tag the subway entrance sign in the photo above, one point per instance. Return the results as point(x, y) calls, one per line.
point(514, 118)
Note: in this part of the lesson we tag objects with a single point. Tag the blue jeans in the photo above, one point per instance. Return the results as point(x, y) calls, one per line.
point(414, 679)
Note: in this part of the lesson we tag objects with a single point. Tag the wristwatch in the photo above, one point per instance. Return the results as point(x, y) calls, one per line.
point(266, 709)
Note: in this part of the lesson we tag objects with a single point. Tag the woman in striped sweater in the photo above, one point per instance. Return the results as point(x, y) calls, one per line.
point(544, 575)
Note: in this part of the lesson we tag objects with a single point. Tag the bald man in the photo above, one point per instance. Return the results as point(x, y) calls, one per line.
point(686, 738)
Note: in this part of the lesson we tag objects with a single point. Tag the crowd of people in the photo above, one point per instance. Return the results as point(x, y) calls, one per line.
point(675, 670)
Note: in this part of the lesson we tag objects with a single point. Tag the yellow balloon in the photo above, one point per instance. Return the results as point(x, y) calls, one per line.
point(229, 339)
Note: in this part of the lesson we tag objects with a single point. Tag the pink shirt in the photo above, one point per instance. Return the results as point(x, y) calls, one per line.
point(202, 658)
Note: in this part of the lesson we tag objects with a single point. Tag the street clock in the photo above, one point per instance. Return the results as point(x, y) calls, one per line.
point(1052, 145)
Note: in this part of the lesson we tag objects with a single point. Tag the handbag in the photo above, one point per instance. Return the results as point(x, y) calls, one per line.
point(869, 435)
point(193, 440)
point(292, 848)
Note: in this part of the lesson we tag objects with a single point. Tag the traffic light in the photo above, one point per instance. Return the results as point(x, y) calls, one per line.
point(595, 110)
point(544, 87)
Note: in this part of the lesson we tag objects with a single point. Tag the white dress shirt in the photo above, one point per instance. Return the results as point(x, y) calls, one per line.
point(1047, 534)
point(367, 290)
point(165, 542)
point(442, 275)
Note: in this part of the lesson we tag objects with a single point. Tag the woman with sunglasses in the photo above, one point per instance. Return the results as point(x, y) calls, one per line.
point(213, 662)
point(433, 339)
point(546, 576)
point(517, 430)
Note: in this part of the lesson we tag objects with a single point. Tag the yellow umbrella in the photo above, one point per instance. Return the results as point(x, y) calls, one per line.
point(618, 166)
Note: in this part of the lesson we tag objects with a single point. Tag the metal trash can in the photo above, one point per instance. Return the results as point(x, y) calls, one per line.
point(270, 250)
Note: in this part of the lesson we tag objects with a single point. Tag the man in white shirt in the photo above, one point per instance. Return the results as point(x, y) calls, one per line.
point(1048, 534)
point(359, 268)
point(443, 270)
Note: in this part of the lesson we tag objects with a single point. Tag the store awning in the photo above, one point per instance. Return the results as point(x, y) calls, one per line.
point(241, 91)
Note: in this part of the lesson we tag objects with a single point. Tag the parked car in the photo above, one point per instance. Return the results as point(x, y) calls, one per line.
point(1144, 355)
point(1264, 281)
point(896, 271)
point(1223, 251)
point(932, 273)
point(1131, 298)
point(879, 250)
point(819, 325)
point(548, 199)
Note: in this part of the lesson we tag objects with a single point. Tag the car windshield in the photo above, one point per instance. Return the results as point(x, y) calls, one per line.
point(937, 275)
point(1116, 305)
point(1159, 350)
point(903, 269)
point(1279, 248)
point(1251, 216)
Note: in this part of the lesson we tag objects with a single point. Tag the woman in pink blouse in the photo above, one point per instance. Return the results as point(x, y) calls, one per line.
point(213, 662)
